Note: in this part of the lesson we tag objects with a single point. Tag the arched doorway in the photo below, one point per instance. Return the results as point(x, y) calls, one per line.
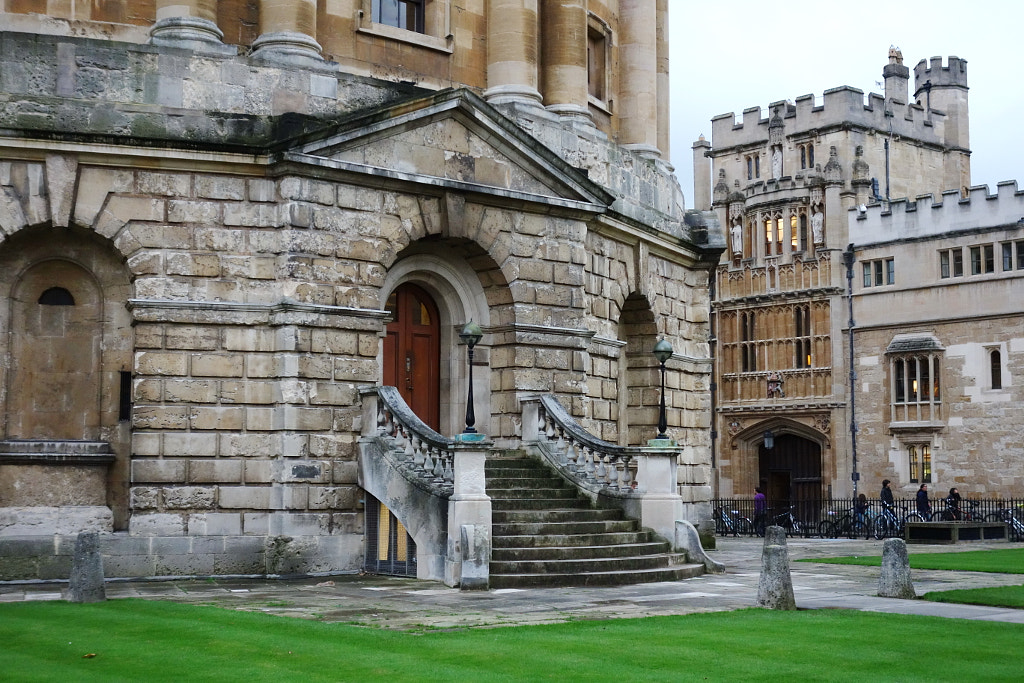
point(412, 356)
point(791, 472)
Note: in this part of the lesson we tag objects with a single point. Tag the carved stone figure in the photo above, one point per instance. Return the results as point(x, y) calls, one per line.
point(736, 233)
point(777, 163)
point(818, 226)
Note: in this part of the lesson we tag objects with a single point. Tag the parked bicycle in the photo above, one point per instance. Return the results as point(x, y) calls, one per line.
point(850, 524)
point(955, 512)
point(732, 523)
point(1012, 518)
point(788, 521)
point(892, 520)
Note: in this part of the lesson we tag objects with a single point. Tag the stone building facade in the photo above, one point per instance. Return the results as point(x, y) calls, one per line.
point(788, 187)
point(938, 352)
point(223, 221)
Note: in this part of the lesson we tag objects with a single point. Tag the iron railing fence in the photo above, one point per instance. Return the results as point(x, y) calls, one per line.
point(736, 516)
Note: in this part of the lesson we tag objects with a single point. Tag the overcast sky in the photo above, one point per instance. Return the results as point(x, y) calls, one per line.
point(731, 55)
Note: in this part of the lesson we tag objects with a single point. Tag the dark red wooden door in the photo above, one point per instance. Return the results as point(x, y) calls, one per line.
point(412, 358)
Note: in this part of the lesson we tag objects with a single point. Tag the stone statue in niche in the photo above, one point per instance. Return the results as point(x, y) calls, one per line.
point(775, 386)
point(777, 162)
point(818, 225)
point(736, 234)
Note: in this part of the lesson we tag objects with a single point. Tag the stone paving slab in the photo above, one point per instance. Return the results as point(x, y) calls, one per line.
point(400, 603)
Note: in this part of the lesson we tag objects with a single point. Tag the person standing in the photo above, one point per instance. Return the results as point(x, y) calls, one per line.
point(886, 496)
point(953, 510)
point(760, 508)
point(924, 508)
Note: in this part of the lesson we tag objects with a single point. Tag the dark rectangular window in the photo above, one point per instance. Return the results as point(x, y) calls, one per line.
point(1020, 255)
point(1007, 256)
point(975, 260)
point(943, 264)
point(988, 252)
point(958, 262)
point(407, 14)
point(124, 408)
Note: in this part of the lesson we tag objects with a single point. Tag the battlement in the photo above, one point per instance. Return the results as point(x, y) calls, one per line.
point(926, 217)
point(954, 74)
point(840, 107)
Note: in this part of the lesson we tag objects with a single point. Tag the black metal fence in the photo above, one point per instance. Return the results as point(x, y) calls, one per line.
point(808, 517)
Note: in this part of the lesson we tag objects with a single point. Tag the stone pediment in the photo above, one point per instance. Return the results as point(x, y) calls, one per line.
point(453, 140)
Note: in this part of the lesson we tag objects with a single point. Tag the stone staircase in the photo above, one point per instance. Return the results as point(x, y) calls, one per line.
point(546, 534)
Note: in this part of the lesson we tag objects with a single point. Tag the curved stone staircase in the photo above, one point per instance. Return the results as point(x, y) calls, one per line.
point(545, 534)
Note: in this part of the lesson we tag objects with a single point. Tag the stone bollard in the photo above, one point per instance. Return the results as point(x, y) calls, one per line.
point(894, 580)
point(774, 535)
point(775, 587)
point(86, 580)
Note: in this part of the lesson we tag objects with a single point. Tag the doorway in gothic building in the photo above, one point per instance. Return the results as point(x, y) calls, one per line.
point(412, 358)
point(791, 472)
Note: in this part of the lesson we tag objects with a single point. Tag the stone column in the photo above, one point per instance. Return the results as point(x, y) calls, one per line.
point(512, 52)
point(189, 24)
point(288, 32)
point(664, 87)
point(564, 57)
point(638, 74)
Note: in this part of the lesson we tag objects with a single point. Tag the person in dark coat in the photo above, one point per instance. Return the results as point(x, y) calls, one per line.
point(924, 507)
point(886, 496)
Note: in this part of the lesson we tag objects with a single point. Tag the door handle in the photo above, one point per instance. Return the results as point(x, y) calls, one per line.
point(408, 370)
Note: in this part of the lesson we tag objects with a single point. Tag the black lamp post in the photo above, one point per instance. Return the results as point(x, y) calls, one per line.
point(662, 351)
point(470, 336)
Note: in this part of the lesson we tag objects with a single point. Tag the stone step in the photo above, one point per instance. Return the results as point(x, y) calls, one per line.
point(571, 540)
point(612, 578)
point(532, 516)
point(515, 483)
point(583, 565)
point(564, 528)
point(577, 552)
point(508, 504)
point(522, 494)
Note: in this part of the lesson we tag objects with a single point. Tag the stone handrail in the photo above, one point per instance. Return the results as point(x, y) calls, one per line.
point(595, 465)
point(425, 457)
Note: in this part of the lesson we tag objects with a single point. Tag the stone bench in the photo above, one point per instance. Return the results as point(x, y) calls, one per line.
point(954, 532)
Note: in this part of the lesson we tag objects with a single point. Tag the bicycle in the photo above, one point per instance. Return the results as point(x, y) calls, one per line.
point(888, 523)
point(957, 513)
point(1010, 517)
point(734, 523)
point(848, 524)
point(786, 520)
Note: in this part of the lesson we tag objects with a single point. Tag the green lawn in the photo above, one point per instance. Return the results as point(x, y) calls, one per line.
point(1008, 561)
point(142, 640)
point(999, 596)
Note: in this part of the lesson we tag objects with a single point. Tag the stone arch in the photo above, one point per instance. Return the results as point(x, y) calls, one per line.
point(454, 273)
point(638, 371)
point(796, 459)
point(63, 368)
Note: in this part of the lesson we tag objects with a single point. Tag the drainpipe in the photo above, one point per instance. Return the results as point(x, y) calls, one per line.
point(848, 261)
point(712, 342)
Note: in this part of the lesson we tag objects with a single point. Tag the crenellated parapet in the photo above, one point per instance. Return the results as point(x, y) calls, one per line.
point(839, 107)
point(954, 74)
point(928, 216)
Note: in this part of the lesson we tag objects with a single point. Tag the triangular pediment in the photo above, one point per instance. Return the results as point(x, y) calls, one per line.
point(453, 138)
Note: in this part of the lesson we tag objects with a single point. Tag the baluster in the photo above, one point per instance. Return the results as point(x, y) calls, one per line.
point(600, 472)
point(572, 456)
point(589, 457)
point(449, 472)
point(561, 456)
point(438, 466)
point(428, 462)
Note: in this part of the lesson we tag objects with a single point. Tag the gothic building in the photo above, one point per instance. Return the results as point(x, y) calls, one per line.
point(224, 226)
point(851, 207)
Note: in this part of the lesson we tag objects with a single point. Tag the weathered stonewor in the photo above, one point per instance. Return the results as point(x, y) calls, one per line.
point(894, 579)
point(86, 581)
point(775, 587)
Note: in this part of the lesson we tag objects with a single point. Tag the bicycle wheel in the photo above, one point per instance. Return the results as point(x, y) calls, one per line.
point(914, 517)
point(858, 528)
point(882, 527)
point(827, 529)
point(743, 526)
point(994, 517)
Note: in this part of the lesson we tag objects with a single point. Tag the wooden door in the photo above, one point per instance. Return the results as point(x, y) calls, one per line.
point(412, 359)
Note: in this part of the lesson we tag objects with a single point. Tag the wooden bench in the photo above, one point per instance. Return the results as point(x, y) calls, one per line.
point(954, 532)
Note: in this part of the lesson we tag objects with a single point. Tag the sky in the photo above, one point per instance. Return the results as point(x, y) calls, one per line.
point(731, 55)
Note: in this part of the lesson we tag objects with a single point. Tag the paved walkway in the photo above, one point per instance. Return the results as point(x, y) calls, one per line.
point(409, 604)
